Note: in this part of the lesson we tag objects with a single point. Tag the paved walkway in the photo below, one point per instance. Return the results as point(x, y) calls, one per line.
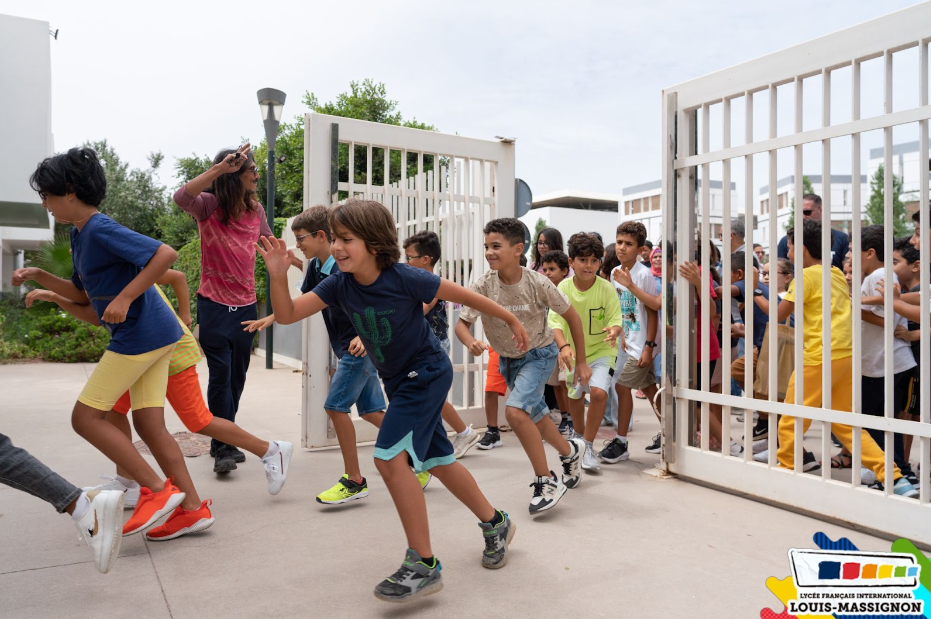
point(625, 544)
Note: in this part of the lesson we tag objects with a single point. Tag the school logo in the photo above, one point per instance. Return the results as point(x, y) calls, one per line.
point(374, 328)
point(839, 580)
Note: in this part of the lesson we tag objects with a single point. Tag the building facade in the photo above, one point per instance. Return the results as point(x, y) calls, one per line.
point(643, 203)
point(575, 211)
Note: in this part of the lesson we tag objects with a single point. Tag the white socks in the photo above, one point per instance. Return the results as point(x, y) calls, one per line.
point(273, 450)
point(127, 483)
point(465, 432)
point(80, 507)
point(623, 439)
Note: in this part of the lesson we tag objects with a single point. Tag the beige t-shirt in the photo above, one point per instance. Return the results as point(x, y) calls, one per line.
point(528, 299)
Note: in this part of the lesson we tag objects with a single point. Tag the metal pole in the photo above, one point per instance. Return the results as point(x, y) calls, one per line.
point(270, 212)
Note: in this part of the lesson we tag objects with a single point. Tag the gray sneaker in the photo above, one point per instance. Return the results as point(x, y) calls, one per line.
point(414, 579)
point(589, 461)
point(570, 464)
point(496, 542)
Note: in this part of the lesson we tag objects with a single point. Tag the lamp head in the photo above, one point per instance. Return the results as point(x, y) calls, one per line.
point(271, 102)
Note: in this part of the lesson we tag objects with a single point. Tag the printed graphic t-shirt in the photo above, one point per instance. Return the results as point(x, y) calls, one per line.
point(528, 300)
point(841, 336)
point(437, 320)
point(338, 324)
point(598, 309)
point(633, 311)
point(873, 342)
point(107, 257)
point(388, 315)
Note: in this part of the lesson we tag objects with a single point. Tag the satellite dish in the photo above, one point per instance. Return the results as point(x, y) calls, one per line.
point(523, 198)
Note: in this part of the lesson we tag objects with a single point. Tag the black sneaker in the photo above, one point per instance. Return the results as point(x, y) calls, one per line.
point(657, 445)
point(414, 579)
point(909, 474)
point(760, 432)
point(836, 442)
point(566, 427)
point(497, 539)
point(237, 454)
point(224, 462)
point(615, 450)
point(809, 462)
point(490, 440)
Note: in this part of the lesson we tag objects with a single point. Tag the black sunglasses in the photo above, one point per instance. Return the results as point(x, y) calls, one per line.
point(807, 212)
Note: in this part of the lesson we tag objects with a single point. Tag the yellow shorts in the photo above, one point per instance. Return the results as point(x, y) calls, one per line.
point(145, 376)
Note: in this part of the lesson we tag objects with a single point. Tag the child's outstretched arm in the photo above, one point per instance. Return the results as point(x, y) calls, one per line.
point(277, 259)
point(81, 311)
point(154, 269)
point(178, 283)
point(450, 291)
point(464, 333)
point(63, 287)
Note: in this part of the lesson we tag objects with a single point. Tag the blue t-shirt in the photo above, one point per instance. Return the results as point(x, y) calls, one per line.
point(388, 314)
point(760, 318)
point(107, 257)
point(338, 325)
point(436, 318)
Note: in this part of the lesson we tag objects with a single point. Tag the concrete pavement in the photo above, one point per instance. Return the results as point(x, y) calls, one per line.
point(625, 544)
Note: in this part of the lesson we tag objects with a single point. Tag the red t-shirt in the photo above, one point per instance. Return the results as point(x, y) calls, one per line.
point(714, 347)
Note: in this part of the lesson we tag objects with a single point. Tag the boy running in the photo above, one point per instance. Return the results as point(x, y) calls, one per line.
point(529, 295)
point(385, 302)
point(594, 300)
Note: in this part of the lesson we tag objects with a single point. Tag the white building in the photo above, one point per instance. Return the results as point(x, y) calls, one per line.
point(906, 164)
point(576, 211)
point(26, 135)
point(840, 201)
point(642, 203)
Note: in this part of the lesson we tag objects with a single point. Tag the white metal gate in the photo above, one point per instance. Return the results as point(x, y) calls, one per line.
point(699, 144)
point(430, 181)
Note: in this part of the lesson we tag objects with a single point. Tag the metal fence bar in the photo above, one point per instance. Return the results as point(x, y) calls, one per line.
point(727, 299)
point(922, 227)
point(826, 255)
point(888, 315)
point(704, 298)
point(856, 212)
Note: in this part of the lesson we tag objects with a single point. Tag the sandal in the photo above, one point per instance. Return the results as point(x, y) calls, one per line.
point(841, 461)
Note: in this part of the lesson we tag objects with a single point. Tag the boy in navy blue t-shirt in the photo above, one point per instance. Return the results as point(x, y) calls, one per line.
point(385, 300)
point(114, 271)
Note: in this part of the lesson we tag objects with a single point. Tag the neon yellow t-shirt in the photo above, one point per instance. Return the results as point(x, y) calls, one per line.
point(598, 308)
point(841, 324)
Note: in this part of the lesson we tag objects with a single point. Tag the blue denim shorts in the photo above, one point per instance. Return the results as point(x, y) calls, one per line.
point(526, 378)
point(355, 382)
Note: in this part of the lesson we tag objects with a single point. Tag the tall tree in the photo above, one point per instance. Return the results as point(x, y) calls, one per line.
point(876, 208)
point(365, 100)
point(806, 189)
point(177, 228)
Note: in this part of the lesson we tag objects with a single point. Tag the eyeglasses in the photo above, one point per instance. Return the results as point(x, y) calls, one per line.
point(252, 169)
point(409, 258)
point(542, 243)
point(303, 236)
point(807, 212)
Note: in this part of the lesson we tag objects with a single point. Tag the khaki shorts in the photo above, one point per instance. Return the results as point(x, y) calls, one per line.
point(558, 377)
point(145, 376)
point(635, 377)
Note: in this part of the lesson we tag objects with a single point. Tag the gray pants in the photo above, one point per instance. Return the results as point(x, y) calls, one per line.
point(22, 471)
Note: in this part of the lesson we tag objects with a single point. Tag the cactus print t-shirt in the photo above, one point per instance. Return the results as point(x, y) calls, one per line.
point(388, 315)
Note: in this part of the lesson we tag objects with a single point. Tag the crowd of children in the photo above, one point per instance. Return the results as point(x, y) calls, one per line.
point(575, 326)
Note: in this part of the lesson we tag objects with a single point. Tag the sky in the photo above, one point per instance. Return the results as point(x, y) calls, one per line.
point(578, 84)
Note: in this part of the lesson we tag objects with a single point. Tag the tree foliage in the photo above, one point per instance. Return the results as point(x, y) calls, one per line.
point(876, 208)
point(177, 228)
point(365, 100)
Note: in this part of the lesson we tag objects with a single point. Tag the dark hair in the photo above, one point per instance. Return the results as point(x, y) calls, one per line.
point(522, 260)
point(903, 245)
point(755, 245)
point(314, 219)
point(648, 243)
point(553, 240)
point(508, 227)
point(584, 244)
point(427, 244)
point(814, 198)
point(871, 237)
point(372, 222)
point(811, 237)
point(558, 256)
point(610, 261)
point(232, 196)
point(739, 259)
point(634, 229)
point(78, 171)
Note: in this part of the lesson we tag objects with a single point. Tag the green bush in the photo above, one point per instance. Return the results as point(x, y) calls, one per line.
point(46, 332)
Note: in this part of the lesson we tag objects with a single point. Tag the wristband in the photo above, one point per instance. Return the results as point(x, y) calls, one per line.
point(563, 346)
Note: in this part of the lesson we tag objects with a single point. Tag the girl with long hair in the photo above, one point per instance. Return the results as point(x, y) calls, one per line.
point(549, 239)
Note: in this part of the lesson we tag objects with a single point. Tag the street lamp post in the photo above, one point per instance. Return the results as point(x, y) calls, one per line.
point(271, 102)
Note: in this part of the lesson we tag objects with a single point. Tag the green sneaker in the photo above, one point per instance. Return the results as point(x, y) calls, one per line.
point(344, 491)
point(424, 479)
point(497, 539)
point(414, 579)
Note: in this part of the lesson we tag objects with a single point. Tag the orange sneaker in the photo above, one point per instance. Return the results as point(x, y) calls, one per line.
point(182, 522)
point(151, 507)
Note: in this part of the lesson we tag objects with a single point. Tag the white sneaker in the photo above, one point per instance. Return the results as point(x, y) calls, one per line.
point(276, 467)
point(570, 464)
point(760, 445)
point(546, 493)
point(102, 526)
point(867, 476)
point(760, 456)
point(464, 442)
point(130, 494)
point(589, 461)
point(736, 448)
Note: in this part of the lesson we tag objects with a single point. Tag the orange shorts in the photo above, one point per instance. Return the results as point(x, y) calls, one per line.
point(494, 382)
point(185, 397)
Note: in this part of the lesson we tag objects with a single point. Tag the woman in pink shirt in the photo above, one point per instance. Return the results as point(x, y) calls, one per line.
point(230, 221)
